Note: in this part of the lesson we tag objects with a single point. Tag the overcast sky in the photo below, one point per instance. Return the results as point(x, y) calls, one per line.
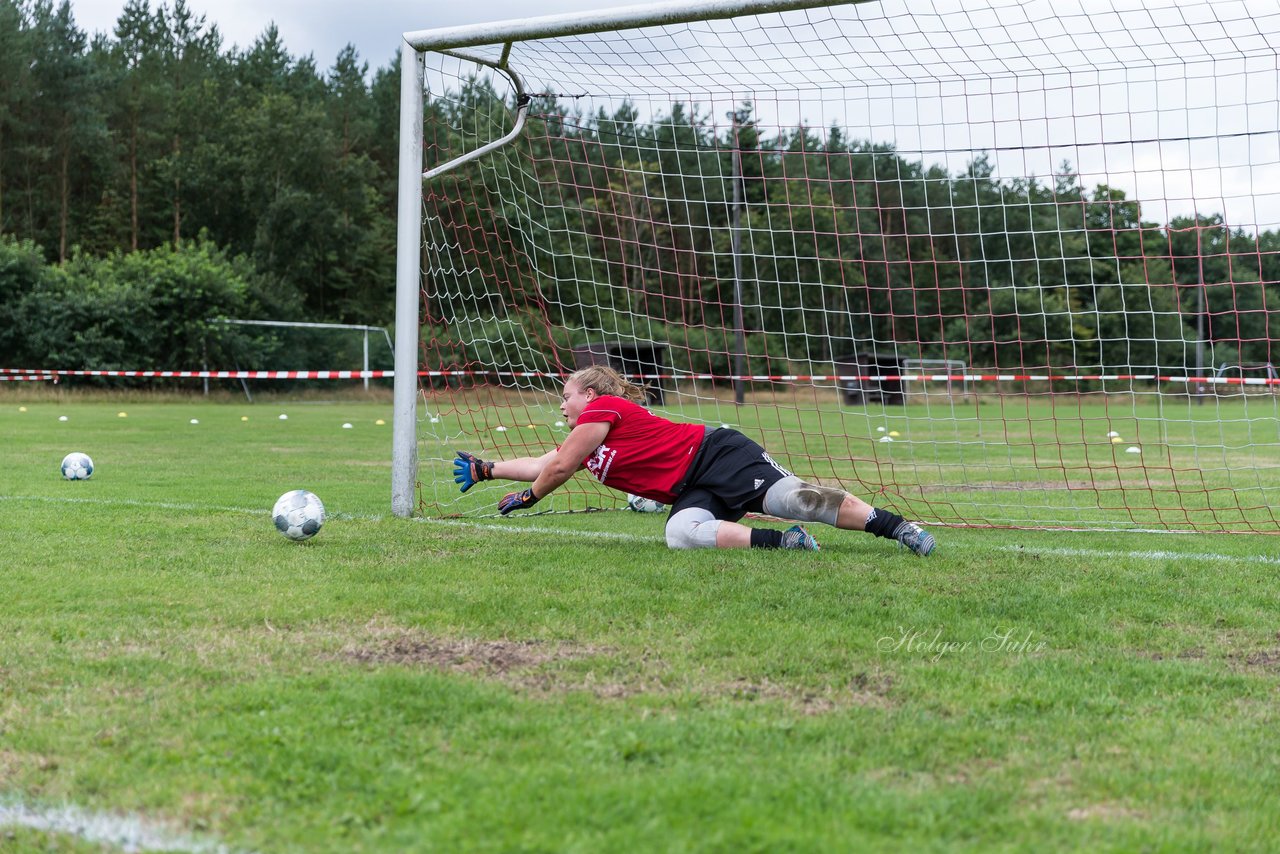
point(323, 27)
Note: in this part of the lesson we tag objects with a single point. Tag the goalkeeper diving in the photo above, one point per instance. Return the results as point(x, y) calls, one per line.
point(711, 478)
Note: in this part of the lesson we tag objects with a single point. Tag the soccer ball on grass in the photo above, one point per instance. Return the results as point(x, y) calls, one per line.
point(298, 514)
point(77, 466)
point(645, 505)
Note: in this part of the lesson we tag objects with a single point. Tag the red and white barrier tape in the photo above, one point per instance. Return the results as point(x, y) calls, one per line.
point(880, 378)
point(30, 374)
point(218, 375)
point(17, 378)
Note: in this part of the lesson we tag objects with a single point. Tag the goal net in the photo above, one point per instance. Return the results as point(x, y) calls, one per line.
point(987, 263)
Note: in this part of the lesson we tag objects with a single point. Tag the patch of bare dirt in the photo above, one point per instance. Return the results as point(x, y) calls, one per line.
point(496, 657)
point(1263, 659)
point(12, 763)
point(1104, 812)
point(1242, 656)
point(864, 691)
point(1193, 654)
point(544, 668)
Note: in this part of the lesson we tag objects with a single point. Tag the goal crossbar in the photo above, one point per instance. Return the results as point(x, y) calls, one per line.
point(584, 23)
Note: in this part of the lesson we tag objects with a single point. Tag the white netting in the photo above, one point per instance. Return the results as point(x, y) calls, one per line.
point(1005, 263)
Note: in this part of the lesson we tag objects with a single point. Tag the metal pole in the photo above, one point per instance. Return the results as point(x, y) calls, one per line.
point(1200, 304)
point(404, 432)
point(739, 334)
point(366, 360)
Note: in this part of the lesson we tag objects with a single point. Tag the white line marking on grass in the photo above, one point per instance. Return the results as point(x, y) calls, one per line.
point(1064, 552)
point(128, 832)
point(536, 529)
point(129, 502)
point(375, 517)
point(1145, 554)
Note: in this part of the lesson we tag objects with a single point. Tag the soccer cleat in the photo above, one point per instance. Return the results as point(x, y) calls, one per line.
point(915, 538)
point(796, 537)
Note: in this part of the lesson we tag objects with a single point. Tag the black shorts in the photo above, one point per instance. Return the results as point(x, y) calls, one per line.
point(728, 477)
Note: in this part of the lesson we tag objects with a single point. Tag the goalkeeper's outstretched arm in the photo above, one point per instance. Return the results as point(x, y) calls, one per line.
point(468, 469)
point(567, 459)
point(547, 472)
point(526, 469)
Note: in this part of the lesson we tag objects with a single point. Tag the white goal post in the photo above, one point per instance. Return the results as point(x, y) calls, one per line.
point(991, 263)
point(364, 329)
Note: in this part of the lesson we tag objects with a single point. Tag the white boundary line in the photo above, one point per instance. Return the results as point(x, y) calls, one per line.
point(126, 832)
point(130, 502)
point(517, 528)
point(1144, 554)
point(537, 529)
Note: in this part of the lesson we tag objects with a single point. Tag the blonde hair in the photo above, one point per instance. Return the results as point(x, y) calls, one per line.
point(606, 380)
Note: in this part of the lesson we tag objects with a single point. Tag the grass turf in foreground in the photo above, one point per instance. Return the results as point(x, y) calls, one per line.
point(568, 683)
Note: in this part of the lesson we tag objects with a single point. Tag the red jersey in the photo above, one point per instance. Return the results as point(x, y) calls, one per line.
point(644, 454)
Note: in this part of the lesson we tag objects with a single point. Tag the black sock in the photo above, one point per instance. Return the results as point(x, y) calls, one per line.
point(766, 538)
point(882, 523)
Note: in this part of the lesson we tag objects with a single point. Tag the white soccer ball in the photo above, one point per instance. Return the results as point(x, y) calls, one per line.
point(645, 505)
point(77, 466)
point(298, 514)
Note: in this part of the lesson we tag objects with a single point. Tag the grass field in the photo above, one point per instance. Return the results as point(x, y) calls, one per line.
point(171, 663)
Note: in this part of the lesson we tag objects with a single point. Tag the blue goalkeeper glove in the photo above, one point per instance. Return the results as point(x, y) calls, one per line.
point(522, 500)
point(468, 470)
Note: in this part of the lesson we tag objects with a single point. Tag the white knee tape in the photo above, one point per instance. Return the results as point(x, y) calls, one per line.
point(792, 498)
point(692, 528)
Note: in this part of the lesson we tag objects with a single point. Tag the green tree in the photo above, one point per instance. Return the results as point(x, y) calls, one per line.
point(15, 94)
point(360, 263)
point(192, 172)
point(63, 127)
point(22, 271)
point(133, 69)
point(130, 310)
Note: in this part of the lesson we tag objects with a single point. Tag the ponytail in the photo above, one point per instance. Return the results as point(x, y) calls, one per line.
point(606, 380)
